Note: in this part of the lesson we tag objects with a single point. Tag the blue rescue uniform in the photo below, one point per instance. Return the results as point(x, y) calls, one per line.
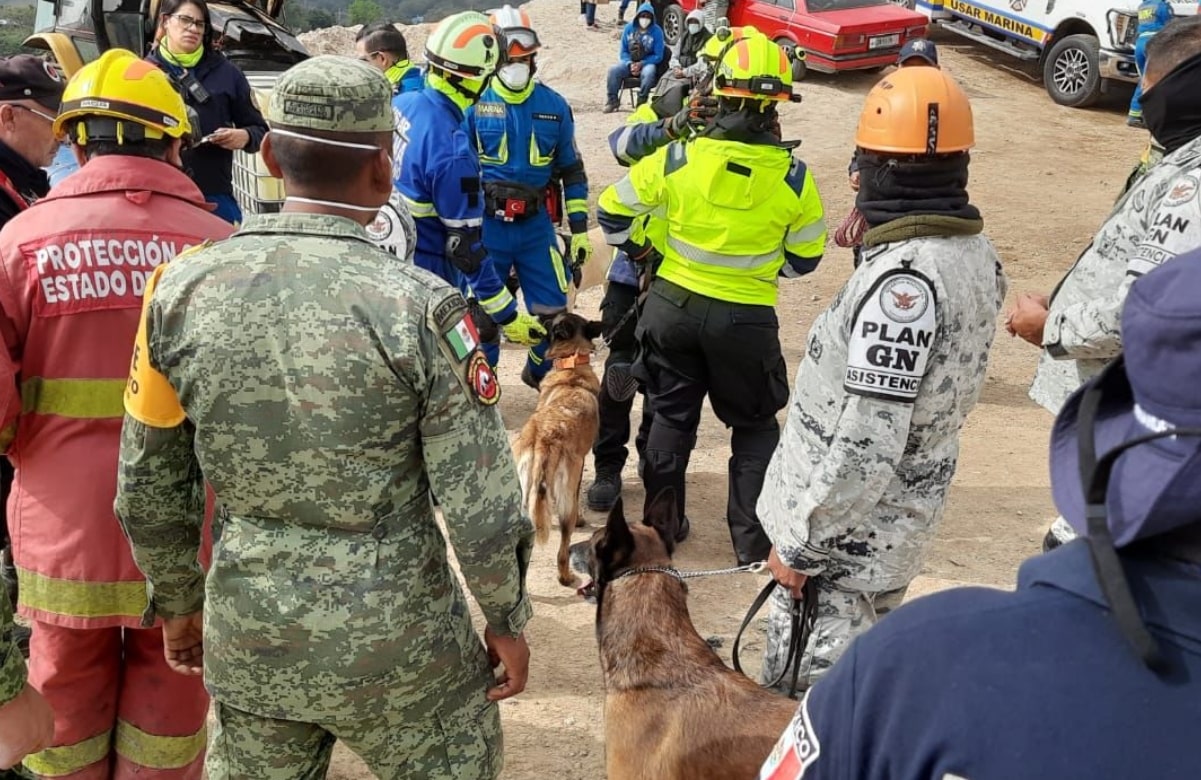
point(439, 181)
point(1153, 16)
point(1037, 684)
point(526, 140)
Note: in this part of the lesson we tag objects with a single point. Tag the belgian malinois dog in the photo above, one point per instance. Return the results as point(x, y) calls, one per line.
point(673, 710)
point(554, 442)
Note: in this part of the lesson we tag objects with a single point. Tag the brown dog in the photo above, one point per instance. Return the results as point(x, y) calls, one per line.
point(554, 442)
point(673, 710)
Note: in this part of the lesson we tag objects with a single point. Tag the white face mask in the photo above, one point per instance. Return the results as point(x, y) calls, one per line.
point(344, 145)
point(515, 75)
point(643, 22)
point(694, 27)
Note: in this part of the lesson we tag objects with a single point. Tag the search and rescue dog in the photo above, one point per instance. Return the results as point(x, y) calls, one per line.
point(554, 442)
point(673, 710)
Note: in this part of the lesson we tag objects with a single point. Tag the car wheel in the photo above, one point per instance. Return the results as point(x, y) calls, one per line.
point(1071, 71)
point(673, 24)
point(799, 68)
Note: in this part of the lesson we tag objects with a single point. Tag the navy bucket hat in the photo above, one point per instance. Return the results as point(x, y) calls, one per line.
point(1126, 447)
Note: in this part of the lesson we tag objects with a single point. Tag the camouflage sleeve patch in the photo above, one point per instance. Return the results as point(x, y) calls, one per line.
point(149, 397)
point(892, 337)
point(459, 341)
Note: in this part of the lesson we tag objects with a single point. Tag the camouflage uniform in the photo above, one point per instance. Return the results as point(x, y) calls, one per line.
point(12, 663)
point(1157, 219)
point(856, 486)
point(1152, 155)
point(326, 393)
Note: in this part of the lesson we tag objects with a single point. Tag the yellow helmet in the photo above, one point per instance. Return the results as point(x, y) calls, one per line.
point(121, 97)
point(754, 67)
point(916, 111)
point(464, 44)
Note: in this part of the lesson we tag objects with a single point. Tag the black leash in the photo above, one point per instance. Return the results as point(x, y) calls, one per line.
point(803, 615)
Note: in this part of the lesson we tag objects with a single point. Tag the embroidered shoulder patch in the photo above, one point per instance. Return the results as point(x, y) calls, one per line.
point(463, 338)
point(892, 337)
point(482, 380)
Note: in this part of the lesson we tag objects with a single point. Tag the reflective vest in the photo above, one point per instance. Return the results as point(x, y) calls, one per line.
point(735, 213)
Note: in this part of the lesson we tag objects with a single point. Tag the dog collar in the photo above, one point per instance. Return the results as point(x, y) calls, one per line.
point(571, 361)
point(650, 569)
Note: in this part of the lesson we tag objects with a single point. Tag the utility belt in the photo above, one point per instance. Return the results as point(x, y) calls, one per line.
point(511, 202)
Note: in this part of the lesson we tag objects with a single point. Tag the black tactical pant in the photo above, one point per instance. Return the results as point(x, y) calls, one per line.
point(609, 453)
point(690, 346)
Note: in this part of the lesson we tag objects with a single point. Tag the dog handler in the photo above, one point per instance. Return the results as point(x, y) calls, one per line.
point(324, 390)
point(855, 490)
point(524, 132)
point(1091, 668)
point(740, 212)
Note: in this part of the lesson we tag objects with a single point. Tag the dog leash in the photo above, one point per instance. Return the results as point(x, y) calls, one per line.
point(803, 616)
point(753, 568)
point(802, 613)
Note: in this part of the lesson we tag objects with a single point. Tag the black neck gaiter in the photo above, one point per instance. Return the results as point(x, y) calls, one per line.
point(1172, 108)
point(890, 188)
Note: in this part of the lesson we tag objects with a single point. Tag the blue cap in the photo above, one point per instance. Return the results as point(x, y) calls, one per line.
point(920, 48)
point(1155, 487)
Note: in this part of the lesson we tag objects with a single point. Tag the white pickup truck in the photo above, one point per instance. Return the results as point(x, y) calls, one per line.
point(1079, 45)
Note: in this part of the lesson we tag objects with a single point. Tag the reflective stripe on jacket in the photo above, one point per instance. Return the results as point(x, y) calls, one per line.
point(736, 214)
point(72, 271)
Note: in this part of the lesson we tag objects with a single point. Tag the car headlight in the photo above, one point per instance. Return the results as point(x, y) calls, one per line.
point(1123, 28)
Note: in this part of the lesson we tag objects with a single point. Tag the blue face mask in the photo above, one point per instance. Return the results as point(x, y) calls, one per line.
point(694, 27)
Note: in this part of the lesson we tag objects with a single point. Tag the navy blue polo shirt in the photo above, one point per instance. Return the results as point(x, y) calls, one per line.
point(1037, 684)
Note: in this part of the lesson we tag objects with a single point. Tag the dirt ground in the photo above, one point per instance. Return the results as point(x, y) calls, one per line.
point(1044, 178)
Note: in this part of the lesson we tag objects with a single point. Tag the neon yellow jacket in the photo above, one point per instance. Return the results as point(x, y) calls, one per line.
point(738, 216)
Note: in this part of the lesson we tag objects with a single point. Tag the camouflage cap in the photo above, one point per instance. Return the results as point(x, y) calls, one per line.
point(334, 94)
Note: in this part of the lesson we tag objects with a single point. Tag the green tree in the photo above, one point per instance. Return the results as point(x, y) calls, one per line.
point(364, 12)
point(16, 24)
point(320, 18)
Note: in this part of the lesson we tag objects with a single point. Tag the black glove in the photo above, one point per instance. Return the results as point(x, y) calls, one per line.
point(484, 324)
point(693, 117)
point(647, 257)
point(464, 250)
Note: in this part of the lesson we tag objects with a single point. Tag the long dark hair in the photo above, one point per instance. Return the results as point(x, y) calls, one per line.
point(171, 7)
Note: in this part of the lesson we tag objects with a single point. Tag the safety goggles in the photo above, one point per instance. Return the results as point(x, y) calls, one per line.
point(522, 41)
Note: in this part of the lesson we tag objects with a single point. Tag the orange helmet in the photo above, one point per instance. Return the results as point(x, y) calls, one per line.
point(916, 111)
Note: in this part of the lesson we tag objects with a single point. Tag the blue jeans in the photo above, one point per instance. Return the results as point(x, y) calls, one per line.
point(590, 13)
point(621, 12)
point(621, 70)
point(1140, 60)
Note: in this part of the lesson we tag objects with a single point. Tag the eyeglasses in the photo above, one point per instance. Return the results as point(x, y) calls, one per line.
point(47, 117)
point(188, 23)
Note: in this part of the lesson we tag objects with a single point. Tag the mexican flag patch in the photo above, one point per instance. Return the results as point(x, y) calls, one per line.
point(463, 338)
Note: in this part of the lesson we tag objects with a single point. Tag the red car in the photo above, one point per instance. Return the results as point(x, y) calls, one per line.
point(834, 34)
